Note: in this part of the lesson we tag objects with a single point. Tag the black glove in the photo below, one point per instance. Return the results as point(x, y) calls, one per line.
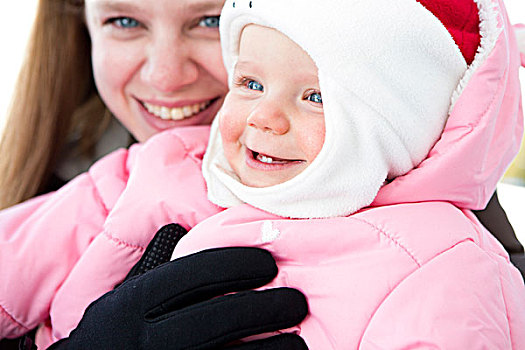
point(159, 250)
point(181, 305)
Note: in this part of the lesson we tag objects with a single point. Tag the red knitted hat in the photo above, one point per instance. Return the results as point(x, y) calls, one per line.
point(461, 18)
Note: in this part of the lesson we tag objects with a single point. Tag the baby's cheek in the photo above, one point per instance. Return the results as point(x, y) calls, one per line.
point(231, 125)
point(312, 139)
point(231, 128)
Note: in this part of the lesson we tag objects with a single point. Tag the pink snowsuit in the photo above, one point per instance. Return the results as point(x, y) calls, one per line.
point(413, 270)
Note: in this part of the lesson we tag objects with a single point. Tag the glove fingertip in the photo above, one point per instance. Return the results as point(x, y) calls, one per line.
point(295, 302)
point(250, 262)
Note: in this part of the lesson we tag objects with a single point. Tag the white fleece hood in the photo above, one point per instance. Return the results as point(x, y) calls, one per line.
point(387, 72)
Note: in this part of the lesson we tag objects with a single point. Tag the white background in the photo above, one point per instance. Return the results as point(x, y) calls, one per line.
point(16, 18)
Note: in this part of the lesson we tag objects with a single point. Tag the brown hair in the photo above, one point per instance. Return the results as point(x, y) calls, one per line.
point(55, 97)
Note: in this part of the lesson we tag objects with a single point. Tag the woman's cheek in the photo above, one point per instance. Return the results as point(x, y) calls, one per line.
point(106, 71)
point(115, 62)
point(114, 67)
point(210, 57)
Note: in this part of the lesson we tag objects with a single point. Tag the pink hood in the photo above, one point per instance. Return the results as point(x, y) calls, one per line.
point(483, 132)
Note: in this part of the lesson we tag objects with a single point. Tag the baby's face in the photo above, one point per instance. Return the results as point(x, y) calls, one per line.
point(272, 121)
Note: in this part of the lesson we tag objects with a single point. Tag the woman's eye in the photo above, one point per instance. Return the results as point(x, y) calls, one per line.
point(253, 85)
point(315, 97)
point(124, 22)
point(210, 22)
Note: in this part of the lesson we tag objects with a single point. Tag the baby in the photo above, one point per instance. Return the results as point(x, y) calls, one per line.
point(336, 115)
point(355, 140)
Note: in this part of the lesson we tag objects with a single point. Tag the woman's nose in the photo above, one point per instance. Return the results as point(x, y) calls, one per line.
point(269, 117)
point(169, 66)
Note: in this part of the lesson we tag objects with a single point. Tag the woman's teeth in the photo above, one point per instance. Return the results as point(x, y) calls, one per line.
point(176, 113)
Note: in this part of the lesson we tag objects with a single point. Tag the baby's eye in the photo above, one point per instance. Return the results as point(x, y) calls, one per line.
point(254, 85)
point(315, 97)
point(210, 21)
point(124, 22)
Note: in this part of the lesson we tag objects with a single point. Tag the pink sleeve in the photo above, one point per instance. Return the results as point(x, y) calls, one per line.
point(165, 186)
point(462, 299)
point(42, 239)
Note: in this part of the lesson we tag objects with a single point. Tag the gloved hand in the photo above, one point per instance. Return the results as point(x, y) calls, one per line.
point(181, 305)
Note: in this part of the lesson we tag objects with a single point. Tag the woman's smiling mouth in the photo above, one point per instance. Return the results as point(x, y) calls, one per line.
point(176, 113)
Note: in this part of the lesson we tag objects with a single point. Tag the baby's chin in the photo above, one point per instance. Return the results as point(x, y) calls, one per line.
point(264, 182)
point(260, 178)
point(257, 184)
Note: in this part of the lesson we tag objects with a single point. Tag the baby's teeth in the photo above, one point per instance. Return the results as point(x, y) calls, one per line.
point(264, 159)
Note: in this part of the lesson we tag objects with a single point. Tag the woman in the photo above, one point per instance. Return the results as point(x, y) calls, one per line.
point(165, 58)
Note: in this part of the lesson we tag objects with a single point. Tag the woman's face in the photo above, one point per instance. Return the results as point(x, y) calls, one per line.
point(157, 64)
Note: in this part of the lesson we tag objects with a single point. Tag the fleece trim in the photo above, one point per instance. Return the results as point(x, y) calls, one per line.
point(489, 32)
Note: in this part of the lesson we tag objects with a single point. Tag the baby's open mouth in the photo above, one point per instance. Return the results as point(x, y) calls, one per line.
point(271, 159)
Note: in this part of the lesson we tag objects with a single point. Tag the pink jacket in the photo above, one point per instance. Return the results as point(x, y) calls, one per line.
point(415, 269)
point(61, 251)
